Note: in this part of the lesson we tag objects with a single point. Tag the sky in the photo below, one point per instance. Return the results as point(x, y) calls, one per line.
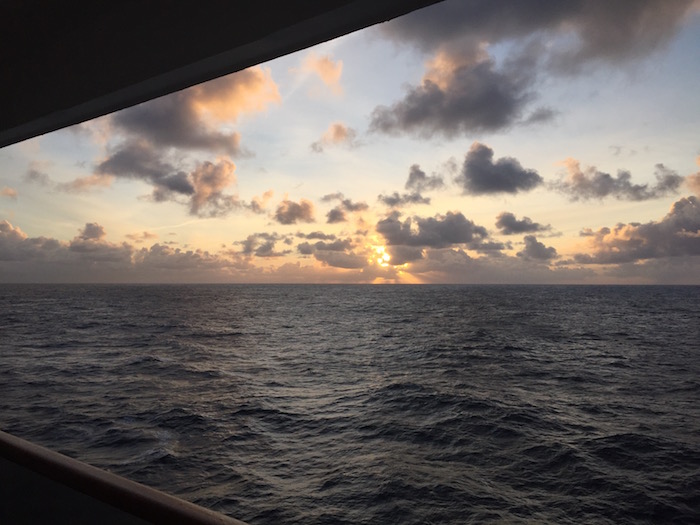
point(512, 141)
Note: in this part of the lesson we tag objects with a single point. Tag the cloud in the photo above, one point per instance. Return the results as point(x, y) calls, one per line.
point(481, 175)
point(336, 254)
point(141, 160)
point(693, 181)
point(450, 265)
point(676, 235)
point(417, 183)
point(16, 246)
point(345, 204)
point(593, 31)
point(348, 261)
point(8, 192)
point(509, 225)
point(258, 204)
point(316, 235)
point(82, 184)
point(540, 116)
point(202, 188)
point(536, 250)
point(78, 185)
point(338, 214)
point(441, 231)
point(90, 257)
point(465, 91)
point(289, 212)
point(467, 98)
point(141, 236)
point(173, 121)
point(338, 245)
point(92, 232)
point(224, 99)
point(209, 180)
point(418, 180)
point(337, 134)
point(326, 69)
point(34, 176)
point(263, 245)
point(396, 200)
point(185, 119)
point(594, 184)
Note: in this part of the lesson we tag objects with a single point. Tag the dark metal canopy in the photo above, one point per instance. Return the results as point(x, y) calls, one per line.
point(67, 62)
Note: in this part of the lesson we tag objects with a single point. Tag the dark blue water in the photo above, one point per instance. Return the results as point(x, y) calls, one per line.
point(370, 404)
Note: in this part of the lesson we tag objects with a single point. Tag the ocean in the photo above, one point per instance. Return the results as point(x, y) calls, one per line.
point(315, 404)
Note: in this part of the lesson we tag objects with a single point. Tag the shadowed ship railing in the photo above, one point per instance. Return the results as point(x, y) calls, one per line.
point(38, 485)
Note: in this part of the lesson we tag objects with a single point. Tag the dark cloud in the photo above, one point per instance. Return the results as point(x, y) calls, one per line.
point(90, 257)
point(209, 180)
point(609, 31)
point(481, 175)
point(263, 245)
point(536, 250)
point(140, 160)
point(35, 176)
point(348, 261)
point(434, 232)
point(16, 246)
point(509, 225)
point(339, 245)
point(473, 98)
point(416, 183)
point(154, 135)
point(184, 120)
point(492, 247)
point(401, 254)
point(290, 212)
point(92, 231)
point(345, 204)
point(396, 200)
point(452, 265)
point(419, 182)
point(338, 214)
point(540, 116)
point(173, 121)
point(594, 184)
point(676, 235)
point(465, 91)
point(203, 187)
point(336, 254)
point(316, 235)
point(335, 246)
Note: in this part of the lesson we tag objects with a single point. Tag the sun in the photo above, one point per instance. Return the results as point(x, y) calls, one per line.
point(381, 257)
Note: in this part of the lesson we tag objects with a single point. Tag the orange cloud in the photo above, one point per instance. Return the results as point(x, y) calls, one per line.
point(258, 203)
point(693, 181)
point(86, 183)
point(8, 192)
point(327, 70)
point(225, 98)
point(336, 134)
point(208, 181)
point(141, 236)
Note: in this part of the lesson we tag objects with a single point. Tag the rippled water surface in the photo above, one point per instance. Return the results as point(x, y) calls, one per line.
point(370, 404)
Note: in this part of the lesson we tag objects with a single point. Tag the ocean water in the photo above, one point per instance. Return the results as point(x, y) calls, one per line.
point(370, 404)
